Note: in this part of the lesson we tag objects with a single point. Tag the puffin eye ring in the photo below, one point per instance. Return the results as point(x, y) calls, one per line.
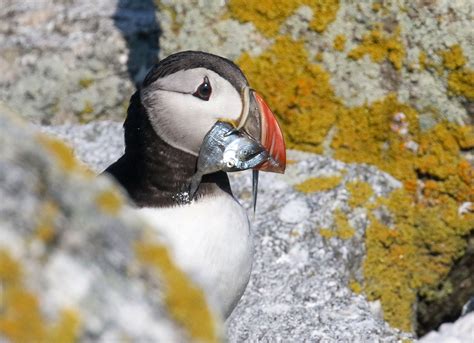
point(204, 90)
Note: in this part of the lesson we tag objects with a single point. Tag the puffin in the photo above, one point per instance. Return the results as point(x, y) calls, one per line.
point(179, 101)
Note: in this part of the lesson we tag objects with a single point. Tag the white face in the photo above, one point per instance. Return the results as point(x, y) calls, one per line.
point(182, 119)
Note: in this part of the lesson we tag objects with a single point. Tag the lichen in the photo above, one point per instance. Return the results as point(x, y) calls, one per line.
point(86, 82)
point(267, 16)
point(355, 286)
point(360, 192)
point(45, 231)
point(109, 201)
point(63, 154)
point(186, 303)
point(299, 92)
point(461, 82)
point(416, 253)
point(453, 58)
point(324, 13)
point(341, 228)
point(344, 230)
point(87, 109)
point(339, 42)
point(319, 184)
point(21, 319)
point(436, 179)
point(380, 46)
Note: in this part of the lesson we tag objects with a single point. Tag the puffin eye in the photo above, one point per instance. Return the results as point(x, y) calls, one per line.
point(204, 90)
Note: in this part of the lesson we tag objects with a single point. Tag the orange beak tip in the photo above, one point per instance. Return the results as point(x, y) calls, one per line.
point(271, 138)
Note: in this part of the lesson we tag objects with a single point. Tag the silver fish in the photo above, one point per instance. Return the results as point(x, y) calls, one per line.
point(225, 148)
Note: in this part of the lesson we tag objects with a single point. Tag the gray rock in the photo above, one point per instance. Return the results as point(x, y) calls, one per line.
point(299, 286)
point(77, 248)
point(461, 331)
point(74, 60)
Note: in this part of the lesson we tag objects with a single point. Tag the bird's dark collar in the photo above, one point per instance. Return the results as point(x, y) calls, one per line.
point(154, 173)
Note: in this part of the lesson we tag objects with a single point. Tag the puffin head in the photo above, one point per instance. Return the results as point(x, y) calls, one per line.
point(186, 93)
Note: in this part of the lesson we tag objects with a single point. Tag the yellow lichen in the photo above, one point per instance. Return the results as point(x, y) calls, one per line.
point(86, 82)
point(324, 13)
point(461, 82)
point(379, 46)
point(45, 228)
point(387, 134)
point(453, 58)
point(63, 154)
point(355, 286)
point(318, 184)
point(327, 233)
point(339, 42)
point(21, 319)
point(342, 229)
point(267, 16)
point(186, 303)
point(367, 135)
point(422, 60)
point(109, 201)
point(360, 192)
point(416, 253)
point(88, 108)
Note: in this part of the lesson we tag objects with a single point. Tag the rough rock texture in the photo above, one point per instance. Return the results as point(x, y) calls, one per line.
point(462, 331)
point(75, 263)
point(72, 61)
point(299, 289)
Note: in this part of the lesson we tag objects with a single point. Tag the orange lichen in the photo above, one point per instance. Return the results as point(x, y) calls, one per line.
point(339, 42)
point(21, 319)
point(319, 184)
point(267, 16)
point(379, 46)
point(185, 302)
point(109, 201)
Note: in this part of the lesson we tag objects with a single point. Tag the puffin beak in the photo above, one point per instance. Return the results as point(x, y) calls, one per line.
point(260, 123)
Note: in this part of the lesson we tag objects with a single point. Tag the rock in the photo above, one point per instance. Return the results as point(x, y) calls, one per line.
point(461, 331)
point(76, 264)
point(53, 66)
point(299, 286)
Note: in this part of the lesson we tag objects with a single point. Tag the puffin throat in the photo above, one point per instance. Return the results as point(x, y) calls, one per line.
point(153, 172)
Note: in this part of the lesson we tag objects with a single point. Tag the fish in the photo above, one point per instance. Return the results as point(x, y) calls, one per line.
point(225, 148)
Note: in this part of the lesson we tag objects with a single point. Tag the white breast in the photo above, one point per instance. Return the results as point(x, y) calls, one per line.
point(210, 239)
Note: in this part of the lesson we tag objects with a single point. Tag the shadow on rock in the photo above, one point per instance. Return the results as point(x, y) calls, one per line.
point(137, 22)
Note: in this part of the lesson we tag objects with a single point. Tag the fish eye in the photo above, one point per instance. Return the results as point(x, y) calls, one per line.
point(204, 90)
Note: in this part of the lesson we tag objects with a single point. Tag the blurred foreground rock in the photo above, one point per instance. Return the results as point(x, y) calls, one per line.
point(75, 263)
